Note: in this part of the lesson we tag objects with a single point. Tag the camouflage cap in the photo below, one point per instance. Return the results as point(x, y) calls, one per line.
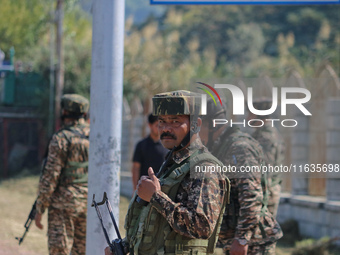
point(75, 103)
point(179, 102)
point(215, 109)
point(262, 103)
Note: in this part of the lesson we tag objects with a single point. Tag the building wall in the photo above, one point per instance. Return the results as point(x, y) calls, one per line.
point(317, 216)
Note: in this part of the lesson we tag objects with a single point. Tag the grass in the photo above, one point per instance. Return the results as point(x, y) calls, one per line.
point(282, 249)
point(16, 200)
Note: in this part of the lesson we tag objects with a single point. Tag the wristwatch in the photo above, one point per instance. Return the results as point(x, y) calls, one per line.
point(242, 242)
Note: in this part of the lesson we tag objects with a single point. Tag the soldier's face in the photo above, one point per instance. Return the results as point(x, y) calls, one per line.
point(172, 129)
point(204, 133)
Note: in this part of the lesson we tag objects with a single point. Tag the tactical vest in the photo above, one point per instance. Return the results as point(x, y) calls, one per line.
point(278, 145)
point(69, 174)
point(234, 134)
point(148, 232)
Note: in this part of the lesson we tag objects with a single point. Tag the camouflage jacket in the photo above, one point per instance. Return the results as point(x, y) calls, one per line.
point(273, 148)
point(55, 188)
point(196, 208)
point(245, 217)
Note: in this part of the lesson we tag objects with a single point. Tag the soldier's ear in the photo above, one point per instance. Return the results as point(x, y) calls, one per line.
point(199, 122)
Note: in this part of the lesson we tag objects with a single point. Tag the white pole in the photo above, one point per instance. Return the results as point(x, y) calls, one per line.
point(52, 52)
point(105, 117)
point(60, 65)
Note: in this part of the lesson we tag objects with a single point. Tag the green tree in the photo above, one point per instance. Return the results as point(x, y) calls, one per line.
point(22, 24)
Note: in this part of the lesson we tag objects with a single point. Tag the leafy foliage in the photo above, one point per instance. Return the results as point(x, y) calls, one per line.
point(206, 42)
point(186, 44)
point(22, 23)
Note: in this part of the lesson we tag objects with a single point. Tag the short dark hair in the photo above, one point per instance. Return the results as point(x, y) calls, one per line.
point(152, 118)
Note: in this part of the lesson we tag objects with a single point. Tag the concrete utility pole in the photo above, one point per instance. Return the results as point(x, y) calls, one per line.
point(51, 95)
point(60, 65)
point(105, 117)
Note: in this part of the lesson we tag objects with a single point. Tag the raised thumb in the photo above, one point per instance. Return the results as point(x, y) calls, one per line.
point(152, 174)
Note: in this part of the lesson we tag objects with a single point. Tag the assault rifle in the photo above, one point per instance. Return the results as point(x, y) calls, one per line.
point(29, 220)
point(116, 246)
point(33, 211)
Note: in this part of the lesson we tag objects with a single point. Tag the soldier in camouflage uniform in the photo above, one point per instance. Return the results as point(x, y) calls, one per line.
point(185, 208)
point(247, 227)
point(63, 183)
point(273, 148)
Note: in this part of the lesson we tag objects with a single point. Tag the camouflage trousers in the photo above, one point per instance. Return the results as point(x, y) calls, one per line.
point(274, 199)
point(262, 250)
point(66, 232)
point(254, 250)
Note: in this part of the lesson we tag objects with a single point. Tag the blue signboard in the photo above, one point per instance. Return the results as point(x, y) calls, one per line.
point(249, 2)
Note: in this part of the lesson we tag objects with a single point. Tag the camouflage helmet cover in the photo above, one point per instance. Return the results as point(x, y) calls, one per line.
point(215, 109)
point(75, 103)
point(262, 103)
point(179, 102)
